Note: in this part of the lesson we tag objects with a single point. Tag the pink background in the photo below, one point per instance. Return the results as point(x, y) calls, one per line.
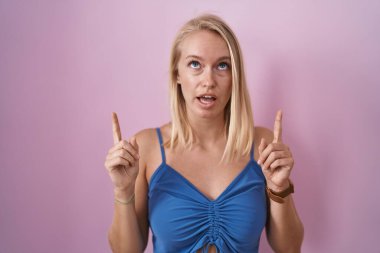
point(66, 65)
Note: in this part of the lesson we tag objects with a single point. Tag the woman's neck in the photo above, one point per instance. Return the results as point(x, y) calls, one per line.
point(208, 132)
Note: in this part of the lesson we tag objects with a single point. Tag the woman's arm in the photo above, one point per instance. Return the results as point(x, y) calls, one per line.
point(129, 229)
point(126, 235)
point(284, 228)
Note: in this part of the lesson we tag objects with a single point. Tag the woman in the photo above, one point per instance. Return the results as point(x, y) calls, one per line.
point(208, 181)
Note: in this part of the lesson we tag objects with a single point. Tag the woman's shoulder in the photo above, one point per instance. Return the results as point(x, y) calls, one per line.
point(149, 151)
point(148, 136)
point(263, 132)
point(145, 135)
point(147, 140)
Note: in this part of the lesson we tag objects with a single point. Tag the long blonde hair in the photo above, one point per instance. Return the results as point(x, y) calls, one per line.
point(237, 114)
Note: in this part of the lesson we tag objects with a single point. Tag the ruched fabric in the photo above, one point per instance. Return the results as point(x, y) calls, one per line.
point(183, 219)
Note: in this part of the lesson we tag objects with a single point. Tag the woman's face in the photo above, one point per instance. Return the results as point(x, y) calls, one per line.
point(204, 73)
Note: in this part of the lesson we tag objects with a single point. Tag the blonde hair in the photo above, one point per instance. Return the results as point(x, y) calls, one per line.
point(237, 114)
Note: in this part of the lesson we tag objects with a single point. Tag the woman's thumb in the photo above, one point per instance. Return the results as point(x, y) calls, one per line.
point(261, 146)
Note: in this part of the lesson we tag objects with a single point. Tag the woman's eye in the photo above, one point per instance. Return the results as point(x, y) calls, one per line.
point(194, 64)
point(223, 66)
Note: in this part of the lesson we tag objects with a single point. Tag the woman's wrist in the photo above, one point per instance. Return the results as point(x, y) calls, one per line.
point(124, 194)
point(278, 188)
point(125, 202)
point(280, 195)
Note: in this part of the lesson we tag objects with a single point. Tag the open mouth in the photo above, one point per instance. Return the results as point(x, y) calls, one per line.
point(206, 99)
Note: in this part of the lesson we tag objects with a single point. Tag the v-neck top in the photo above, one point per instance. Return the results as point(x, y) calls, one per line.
point(183, 219)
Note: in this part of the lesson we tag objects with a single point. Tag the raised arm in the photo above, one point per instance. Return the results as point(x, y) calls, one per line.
point(129, 229)
point(284, 228)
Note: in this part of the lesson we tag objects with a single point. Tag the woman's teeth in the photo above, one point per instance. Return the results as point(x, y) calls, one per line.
point(206, 99)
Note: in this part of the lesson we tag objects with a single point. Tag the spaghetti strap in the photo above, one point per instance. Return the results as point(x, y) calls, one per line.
point(252, 151)
point(161, 144)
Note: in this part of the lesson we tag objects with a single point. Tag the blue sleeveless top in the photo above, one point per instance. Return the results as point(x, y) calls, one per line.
point(183, 219)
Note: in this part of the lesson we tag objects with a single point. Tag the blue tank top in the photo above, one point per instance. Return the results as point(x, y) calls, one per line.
point(183, 219)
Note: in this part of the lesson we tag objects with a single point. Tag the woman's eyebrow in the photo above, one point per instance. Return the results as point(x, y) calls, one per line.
point(200, 58)
point(194, 56)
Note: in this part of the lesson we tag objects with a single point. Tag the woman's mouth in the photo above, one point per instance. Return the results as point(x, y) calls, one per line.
point(206, 99)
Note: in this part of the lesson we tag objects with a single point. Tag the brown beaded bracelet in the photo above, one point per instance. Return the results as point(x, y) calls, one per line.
point(279, 196)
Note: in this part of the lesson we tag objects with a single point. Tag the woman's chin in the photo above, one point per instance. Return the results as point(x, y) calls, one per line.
point(209, 114)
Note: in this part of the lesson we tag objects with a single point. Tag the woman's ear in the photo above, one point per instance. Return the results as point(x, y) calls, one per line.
point(178, 80)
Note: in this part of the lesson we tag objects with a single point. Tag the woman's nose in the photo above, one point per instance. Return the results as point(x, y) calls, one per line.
point(208, 79)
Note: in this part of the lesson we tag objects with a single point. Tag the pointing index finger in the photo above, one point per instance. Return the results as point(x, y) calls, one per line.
point(277, 131)
point(116, 128)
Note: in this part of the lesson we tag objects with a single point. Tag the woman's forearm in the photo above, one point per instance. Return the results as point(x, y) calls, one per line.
point(284, 230)
point(124, 235)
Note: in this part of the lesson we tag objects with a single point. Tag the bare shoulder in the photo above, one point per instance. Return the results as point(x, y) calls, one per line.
point(149, 150)
point(263, 132)
point(144, 138)
point(147, 138)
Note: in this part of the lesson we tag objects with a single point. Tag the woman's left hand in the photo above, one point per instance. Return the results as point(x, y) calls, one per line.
point(276, 159)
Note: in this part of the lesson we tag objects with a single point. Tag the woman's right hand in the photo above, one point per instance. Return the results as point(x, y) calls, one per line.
point(122, 161)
